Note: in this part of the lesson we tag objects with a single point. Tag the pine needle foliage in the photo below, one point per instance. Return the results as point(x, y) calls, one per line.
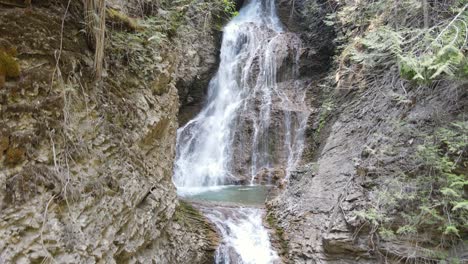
point(440, 53)
point(415, 44)
point(433, 199)
point(384, 34)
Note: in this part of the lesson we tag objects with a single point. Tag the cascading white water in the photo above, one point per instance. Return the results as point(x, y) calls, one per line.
point(245, 240)
point(254, 119)
point(244, 89)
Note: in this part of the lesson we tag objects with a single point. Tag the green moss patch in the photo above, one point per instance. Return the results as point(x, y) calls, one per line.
point(9, 67)
point(283, 243)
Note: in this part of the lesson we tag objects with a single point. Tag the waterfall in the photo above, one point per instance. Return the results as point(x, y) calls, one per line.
point(253, 123)
point(232, 138)
point(246, 241)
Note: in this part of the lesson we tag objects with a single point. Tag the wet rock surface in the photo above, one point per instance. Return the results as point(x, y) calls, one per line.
point(305, 18)
point(197, 67)
point(285, 116)
point(244, 236)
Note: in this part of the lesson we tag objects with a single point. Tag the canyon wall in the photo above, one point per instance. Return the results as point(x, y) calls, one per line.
point(375, 145)
point(86, 161)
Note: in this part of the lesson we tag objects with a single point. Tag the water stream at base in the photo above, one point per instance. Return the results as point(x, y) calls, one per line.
point(235, 136)
point(237, 212)
point(245, 240)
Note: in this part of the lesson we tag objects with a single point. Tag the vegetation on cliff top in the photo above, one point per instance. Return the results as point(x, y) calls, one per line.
point(154, 24)
point(423, 45)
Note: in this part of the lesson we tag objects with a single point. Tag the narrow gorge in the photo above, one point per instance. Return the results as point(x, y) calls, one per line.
point(233, 131)
point(252, 126)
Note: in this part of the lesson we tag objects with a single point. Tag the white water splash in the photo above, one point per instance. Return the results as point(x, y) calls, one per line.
point(245, 240)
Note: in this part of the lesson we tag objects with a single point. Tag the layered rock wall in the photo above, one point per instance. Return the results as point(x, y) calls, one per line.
point(86, 165)
point(363, 135)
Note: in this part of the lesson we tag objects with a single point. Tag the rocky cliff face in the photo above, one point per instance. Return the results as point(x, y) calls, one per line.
point(347, 204)
point(86, 165)
point(261, 139)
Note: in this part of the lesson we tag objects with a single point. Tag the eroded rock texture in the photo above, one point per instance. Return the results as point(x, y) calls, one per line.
point(318, 209)
point(86, 165)
point(305, 17)
point(263, 134)
point(362, 134)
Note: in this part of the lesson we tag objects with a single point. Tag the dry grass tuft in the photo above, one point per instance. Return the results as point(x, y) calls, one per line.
point(118, 18)
point(95, 19)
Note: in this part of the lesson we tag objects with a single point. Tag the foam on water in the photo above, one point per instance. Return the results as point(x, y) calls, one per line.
point(245, 240)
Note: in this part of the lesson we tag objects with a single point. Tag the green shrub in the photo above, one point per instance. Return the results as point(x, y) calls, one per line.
point(432, 201)
point(369, 39)
point(230, 7)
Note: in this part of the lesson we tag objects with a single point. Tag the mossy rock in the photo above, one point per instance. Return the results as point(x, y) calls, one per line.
point(189, 216)
point(279, 232)
point(161, 85)
point(14, 156)
point(4, 142)
point(9, 67)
